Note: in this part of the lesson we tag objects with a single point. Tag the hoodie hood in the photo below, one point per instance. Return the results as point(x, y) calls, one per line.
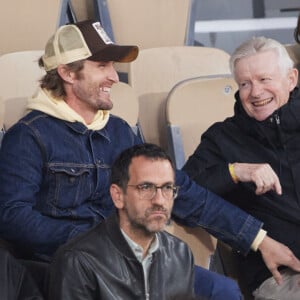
point(56, 107)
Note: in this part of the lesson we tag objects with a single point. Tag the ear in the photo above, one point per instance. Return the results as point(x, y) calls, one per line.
point(293, 78)
point(65, 73)
point(117, 196)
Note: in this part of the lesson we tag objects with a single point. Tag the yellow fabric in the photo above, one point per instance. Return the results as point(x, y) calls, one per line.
point(258, 239)
point(232, 174)
point(58, 108)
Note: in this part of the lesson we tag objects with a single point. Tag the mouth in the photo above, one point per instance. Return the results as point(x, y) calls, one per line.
point(262, 102)
point(157, 213)
point(158, 217)
point(105, 89)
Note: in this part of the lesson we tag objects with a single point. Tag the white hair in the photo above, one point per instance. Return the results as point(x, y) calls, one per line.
point(258, 45)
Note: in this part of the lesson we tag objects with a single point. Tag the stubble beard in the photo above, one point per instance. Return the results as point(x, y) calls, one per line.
point(148, 227)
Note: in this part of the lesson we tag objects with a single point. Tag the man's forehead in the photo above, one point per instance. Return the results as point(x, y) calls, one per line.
point(141, 159)
point(142, 165)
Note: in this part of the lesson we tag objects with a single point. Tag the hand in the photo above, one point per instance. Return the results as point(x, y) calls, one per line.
point(262, 175)
point(276, 254)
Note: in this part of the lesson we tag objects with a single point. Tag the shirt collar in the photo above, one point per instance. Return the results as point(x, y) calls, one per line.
point(138, 250)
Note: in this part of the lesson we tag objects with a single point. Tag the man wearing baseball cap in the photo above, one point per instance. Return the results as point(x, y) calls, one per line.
point(55, 162)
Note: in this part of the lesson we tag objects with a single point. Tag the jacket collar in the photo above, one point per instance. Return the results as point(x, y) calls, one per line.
point(113, 228)
point(288, 114)
point(82, 129)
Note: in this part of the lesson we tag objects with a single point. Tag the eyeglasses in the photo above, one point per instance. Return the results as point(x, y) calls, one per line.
point(147, 191)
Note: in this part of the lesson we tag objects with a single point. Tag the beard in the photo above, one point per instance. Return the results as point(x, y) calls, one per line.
point(149, 224)
point(92, 96)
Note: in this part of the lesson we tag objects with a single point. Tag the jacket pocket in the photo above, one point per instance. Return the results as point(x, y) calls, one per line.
point(70, 186)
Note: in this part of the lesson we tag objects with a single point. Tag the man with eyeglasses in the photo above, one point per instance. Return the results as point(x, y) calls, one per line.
point(129, 256)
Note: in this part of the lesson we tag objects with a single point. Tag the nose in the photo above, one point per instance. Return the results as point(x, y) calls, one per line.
point(159, 198)
point(256, 90)
point(113, 75)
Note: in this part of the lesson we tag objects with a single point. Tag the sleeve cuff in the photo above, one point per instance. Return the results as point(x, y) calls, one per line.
point(232, 174)
point(258, 239)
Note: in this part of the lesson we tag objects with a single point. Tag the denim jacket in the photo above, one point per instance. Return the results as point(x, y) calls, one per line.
point(54, 184)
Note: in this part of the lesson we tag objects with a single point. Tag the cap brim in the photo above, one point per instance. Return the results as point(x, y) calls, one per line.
point(116, 53)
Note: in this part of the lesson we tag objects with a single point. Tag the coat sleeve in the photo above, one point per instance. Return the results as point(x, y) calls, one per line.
point(208, 167)
point(197, 206)
point(21, 171)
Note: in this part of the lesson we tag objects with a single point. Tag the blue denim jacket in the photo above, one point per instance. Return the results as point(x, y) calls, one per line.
point(54, 184)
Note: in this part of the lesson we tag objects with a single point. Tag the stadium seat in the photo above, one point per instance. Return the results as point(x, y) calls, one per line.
point(19, 78)
point(19, 73)
point(126, 105)
point(147, 24)
point(207, 99)
point(167, 22)
point(27, 25)
point(294, 52)
point(157, 70)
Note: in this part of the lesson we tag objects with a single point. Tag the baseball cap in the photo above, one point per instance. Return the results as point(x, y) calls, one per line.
point(84, 40)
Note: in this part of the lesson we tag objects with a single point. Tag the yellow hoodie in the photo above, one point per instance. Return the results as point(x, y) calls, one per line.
point(58, 108)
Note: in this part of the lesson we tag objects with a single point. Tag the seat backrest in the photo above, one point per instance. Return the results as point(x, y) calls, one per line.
point(207, 99)
point(125, 102)
point(201, 243)
point(27, 24)
point(294, 52)
point(126, 105)
point(19, 73)
point(82, 9)
point(19, 78)
point(157, 70)
point(13, 110)
point(148, 24)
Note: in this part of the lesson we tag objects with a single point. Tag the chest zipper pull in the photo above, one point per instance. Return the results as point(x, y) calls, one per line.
point(280, 133)
point(277, 119)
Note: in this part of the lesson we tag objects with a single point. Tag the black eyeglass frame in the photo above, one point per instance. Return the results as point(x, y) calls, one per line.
point(165, 188)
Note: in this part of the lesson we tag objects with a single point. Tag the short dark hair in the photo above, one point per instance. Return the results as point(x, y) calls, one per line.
point(52, 81)
point(120, 168)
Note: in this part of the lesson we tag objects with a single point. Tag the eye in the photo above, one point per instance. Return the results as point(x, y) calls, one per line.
point(145, 186)
point(102, 64)
point(168, 187)
point(243, 84)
